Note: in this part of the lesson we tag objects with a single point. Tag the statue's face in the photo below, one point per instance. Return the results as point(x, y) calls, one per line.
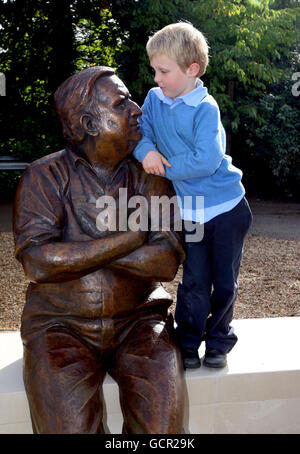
point(118, 120)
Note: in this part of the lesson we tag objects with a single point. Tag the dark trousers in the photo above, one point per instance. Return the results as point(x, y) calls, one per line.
point(209, 287)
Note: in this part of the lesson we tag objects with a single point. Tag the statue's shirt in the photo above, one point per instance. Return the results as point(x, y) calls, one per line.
point(56, 201)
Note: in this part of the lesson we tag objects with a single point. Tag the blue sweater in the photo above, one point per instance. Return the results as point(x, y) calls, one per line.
point(189, 133)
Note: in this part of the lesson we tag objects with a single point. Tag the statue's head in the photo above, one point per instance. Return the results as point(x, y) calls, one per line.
point(94, 104)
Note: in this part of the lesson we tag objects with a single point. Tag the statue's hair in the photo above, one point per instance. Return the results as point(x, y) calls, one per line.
point(76, 97)
point(181, 42)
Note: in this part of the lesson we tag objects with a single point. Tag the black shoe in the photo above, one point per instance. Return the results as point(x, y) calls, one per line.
point(191, 358)
point(214, 358)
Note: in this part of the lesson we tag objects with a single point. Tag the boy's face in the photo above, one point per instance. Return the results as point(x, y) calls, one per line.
point(171, 78)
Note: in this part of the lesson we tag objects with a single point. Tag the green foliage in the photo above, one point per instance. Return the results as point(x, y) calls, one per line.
point(253, 53)
point(136, 20)
point(273, 141)
point(249, 47)
point(33, 58)
point(97, 42)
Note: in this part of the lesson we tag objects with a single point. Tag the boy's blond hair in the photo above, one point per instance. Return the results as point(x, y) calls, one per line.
point(181, 42)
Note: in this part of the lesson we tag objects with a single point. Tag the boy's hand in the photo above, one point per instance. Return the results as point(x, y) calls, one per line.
point(154, 163)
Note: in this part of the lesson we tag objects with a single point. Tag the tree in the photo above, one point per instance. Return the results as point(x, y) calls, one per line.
point(253, 52)
point(253, 56)
point(250, 44)
point(37, 55)
point(97, 40)
point(136, 21)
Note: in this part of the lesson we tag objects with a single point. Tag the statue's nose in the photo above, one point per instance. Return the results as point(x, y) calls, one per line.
point(136, 110)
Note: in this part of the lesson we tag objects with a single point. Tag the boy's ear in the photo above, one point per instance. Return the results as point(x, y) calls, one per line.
point(193, 70)
point(89, 125)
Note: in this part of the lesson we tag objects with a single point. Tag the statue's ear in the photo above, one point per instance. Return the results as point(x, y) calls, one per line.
point(89, 125)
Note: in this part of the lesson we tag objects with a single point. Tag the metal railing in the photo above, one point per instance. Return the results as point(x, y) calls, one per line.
point(11, 163)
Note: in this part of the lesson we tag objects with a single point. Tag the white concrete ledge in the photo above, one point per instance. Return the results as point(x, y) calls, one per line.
point(258, 392)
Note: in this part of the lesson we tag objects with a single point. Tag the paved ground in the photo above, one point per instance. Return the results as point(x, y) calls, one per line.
point(270, 219)
point(276, 220)
point(5, 216)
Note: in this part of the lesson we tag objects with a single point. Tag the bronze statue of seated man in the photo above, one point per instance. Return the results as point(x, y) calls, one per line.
point(94, 303)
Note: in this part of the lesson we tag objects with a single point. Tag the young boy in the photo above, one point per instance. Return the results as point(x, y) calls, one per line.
point(184, 141)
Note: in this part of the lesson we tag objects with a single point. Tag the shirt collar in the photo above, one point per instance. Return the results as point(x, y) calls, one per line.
point(193, 98)
point(75, 158)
